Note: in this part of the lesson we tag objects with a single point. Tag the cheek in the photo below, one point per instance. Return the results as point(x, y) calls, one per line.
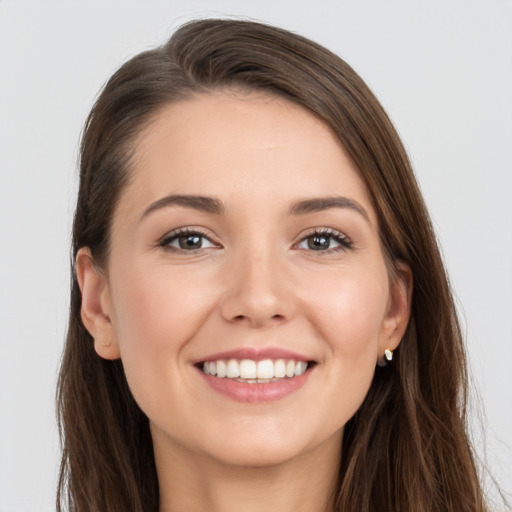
point(348, 315)
point(156, 313)
point(343, 309)
point(349, 312)
point(155, 309)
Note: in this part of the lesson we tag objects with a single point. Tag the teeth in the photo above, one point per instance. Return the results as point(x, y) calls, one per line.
point(265, 369)
point(253, 372)
point(221, 369)
point(248, 369)
point(233, 370)
point(279, 368)
point(300, 367)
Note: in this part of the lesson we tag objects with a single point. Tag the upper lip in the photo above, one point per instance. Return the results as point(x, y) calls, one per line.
point(256, 354)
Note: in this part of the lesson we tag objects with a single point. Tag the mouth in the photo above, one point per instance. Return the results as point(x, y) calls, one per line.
point(252, 371)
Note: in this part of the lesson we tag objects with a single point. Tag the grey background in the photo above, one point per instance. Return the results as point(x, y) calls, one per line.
point(443, 70)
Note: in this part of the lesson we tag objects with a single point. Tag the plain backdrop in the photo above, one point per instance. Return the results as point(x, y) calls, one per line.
point(442, 69)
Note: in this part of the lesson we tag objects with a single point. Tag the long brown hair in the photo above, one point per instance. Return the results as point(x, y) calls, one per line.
point(406, 448)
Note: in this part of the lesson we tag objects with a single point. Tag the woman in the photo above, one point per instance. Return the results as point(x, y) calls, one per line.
point(260, 316)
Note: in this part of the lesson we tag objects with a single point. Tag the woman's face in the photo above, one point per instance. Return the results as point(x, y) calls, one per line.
point(245, 240)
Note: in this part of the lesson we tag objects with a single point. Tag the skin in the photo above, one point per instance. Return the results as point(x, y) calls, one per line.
point(255, 283)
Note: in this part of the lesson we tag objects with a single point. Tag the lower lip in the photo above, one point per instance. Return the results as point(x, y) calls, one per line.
point(256, 393)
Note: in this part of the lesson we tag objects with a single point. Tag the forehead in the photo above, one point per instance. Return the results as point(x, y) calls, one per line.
point(231, 144)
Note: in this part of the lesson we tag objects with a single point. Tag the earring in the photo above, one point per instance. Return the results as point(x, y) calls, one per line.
point(106, 344)
point(388, 357)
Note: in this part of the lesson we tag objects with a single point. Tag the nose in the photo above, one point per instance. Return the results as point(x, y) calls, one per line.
point(259, 290)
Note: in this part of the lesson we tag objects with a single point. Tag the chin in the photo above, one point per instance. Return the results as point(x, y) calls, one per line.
point(257, 457)
point(270, 448)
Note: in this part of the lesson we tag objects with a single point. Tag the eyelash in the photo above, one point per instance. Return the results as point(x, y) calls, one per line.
point(343, 240)
point(174, 235)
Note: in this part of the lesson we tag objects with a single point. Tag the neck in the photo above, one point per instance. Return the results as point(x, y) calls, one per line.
point(194, 483)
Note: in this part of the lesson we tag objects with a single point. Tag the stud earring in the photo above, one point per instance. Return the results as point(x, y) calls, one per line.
point(388, 357)
point(106, 344)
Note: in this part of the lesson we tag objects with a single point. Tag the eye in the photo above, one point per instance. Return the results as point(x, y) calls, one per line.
point(185, 239)
point(326, 240)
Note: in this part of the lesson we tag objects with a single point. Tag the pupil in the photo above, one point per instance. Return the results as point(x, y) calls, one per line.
point(190, 242)
point(318, 242)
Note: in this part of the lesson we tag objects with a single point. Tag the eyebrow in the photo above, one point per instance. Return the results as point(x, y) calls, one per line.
point(201, 203)
point(212, 205)
point(325, 203)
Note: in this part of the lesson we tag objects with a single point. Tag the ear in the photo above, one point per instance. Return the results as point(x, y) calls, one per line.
point(96, 305)
point(398, 310)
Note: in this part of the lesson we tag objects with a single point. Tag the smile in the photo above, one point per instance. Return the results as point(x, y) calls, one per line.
point(255, 372)
point(253, 375)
